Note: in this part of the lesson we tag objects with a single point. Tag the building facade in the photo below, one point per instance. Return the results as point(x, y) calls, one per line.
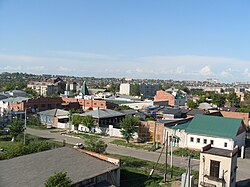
point(218, 167)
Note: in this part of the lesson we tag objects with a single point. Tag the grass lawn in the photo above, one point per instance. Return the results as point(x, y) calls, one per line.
point(146, 166)
point(132, 177)
point(86, 136)
point(148, 147)
point(38, 127)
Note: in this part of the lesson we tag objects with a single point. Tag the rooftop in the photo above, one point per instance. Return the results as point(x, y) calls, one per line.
point(35, 169)
point(214, 126)
point(219, 152)
point(55, 112)
point(103, 113)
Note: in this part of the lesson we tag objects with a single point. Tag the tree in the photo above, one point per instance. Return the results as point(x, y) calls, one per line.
point(34, 121)
point(88, 121)
point(128, 126)
point(95, 145)
point(59, 179)
point(233, 100)
point(122, 107)
point(135, 90)
point(31, 92)
point(218, 99)
point(76, 120)
point(16, 128)
point(192, 104)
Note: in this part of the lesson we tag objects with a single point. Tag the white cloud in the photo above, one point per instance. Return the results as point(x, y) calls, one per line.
point(64, 69)
point(182, 67)
point(205, 71)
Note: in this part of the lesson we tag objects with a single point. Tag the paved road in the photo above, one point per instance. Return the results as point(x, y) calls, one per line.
point(243, 164)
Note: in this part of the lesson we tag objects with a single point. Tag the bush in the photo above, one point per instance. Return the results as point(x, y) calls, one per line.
point(58, 180)
point(186, 152)
point(96, 145)
point(18, 148)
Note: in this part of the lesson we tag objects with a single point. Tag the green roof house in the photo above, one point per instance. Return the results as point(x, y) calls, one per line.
point(220, 132)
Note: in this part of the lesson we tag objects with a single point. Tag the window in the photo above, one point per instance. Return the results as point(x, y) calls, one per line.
point(211, 142)
point(214, 168)
point(94, 103)
point(205, 141)
point(225, 144)
point(191, 139)
point(198, 140)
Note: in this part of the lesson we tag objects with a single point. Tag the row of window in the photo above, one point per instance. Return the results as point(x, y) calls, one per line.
point(198, 140)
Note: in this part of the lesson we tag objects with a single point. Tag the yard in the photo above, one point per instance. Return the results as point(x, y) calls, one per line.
point(148, 147)
point(134, 172)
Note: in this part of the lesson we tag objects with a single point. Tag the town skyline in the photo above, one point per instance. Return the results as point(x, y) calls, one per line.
point(141, 40)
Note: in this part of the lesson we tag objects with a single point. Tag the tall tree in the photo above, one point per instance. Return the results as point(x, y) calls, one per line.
point(128, 126)
point(135, 90)
point(59, 179)
point(76, 120)
point(88, 121)
point(16, 127)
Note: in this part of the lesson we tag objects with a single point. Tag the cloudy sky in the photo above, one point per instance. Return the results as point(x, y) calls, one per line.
point(181, 40)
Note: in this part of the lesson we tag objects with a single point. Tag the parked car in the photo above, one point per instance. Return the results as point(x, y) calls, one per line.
point(79, 146)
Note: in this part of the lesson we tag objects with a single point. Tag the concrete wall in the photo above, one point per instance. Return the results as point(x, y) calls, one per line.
point(227, 167)
point(240, 140)
point(139, 105)
point(218, 142)
point(124, 88)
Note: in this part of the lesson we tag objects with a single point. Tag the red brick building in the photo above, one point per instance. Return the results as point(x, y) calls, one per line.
point(164, 96)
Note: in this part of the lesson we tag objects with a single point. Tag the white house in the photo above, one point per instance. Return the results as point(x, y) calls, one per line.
point(220, 132)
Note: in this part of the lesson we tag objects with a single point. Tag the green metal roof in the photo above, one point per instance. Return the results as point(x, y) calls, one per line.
point(214, 126)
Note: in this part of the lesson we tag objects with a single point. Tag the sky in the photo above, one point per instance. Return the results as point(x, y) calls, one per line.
point(145, 39)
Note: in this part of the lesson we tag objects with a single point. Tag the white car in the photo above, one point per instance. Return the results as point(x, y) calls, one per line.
point(78, 146)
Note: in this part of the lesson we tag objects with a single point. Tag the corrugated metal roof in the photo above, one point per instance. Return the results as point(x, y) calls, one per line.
point(35, 169)
point(103, 113)
point(214, 126)
point(55, 112)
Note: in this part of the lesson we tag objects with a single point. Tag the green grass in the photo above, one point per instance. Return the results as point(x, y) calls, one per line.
point(33, 144)
point(86, 136)
point(38, 127)
point(186, 152)
point(148, 147)
point(132, 177)
point(146, 166)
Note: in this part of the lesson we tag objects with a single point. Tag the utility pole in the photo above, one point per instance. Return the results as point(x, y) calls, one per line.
point(171, 151)
point(166, 161)
point(189, 170)
point(25, 124)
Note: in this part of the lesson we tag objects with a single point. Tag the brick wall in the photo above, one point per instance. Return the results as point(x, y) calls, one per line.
point(239, 115)
point(87, 103)
point(150, 130)
point(164, 96)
